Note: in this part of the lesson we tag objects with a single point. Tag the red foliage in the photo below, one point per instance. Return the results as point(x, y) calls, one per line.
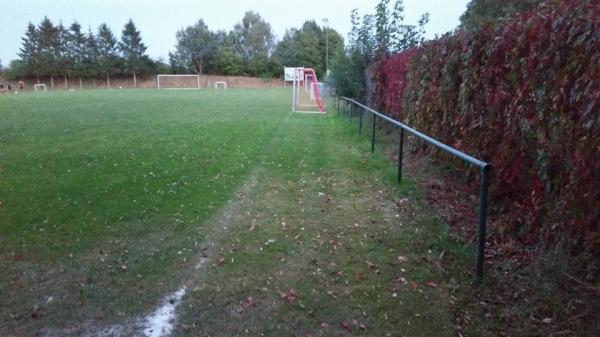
point(391, 82)
point(525, 96)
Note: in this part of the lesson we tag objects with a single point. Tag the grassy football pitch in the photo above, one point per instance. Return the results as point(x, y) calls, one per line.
point(270, 223)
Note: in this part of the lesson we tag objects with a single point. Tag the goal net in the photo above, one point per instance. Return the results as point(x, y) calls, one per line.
point(178, 81)
point(220, 84)
point(306, 95)
point(39, 87)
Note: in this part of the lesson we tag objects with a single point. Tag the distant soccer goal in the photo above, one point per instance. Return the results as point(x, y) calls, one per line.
point(220, 85)
point(178, 81)
point(39, 87)
point(306, 92)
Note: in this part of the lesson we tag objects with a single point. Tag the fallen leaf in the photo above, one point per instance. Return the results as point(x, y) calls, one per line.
point(18, 258)
point(221, 261)
point(249, 302)
point(345, 325)
point(290, 296)
point(431, 284)
point(402, 259)
point(371, 265)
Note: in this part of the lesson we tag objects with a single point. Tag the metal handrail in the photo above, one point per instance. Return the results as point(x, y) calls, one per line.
point(484, 167)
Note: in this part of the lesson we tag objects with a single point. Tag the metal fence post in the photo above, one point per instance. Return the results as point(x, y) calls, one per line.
point(481, 229)
point(400, 154)
point(373, 134)
point(360, 121)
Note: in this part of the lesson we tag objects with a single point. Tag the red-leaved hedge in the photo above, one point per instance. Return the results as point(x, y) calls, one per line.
point(391, 82)
point(525, 96)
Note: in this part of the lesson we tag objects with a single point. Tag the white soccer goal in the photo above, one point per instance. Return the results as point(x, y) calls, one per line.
point(39, 87)
point(220, 84)
point(178, 81)
point(306, 93)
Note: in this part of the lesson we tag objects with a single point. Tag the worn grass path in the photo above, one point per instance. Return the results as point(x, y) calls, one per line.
point(301, 231)
point(320, 242)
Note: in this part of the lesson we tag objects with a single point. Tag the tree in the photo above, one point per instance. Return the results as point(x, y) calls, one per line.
point(482, 12)
point(306, 47)
point(366, 43)
point(77, 47)
point(91, 59)
point(133, 49)
point(16, 70)
point(406, 36)
point(348, 73)
point(254, 40)
point(107, 52)
point(48, 45)
point(285, 52)
point(29, 52)
point(229, 60)
point(196, 48)
point(382, 28)
point(392, 34)
point(371, 38)
point(64, 60)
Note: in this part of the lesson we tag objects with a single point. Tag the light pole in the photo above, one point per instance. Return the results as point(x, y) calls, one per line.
point(326, 22)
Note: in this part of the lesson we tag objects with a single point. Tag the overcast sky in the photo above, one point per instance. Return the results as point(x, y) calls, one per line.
point(158, 20)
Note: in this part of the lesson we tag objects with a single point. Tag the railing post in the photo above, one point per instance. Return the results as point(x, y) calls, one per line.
point(400, 155)
point(351, 112)
point(481, 229)
point(360, 121)
point(373, 134)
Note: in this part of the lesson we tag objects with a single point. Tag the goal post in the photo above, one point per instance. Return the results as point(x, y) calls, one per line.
point(177, 81)
point(39, 87)
point(306, 93)
point(220, 84)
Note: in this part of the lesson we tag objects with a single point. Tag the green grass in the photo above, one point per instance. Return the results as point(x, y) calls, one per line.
point(109, 198)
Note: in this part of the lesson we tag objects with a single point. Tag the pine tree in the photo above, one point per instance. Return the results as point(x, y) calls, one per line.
point(90, 64)
point(64, 60)
point(77, 50)
point(133, 49)
point(48, 39)
point(30, 52)
point(107, 51)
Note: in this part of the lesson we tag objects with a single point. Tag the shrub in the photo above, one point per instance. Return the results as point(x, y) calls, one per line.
point(523, 95)
point(391, 82)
